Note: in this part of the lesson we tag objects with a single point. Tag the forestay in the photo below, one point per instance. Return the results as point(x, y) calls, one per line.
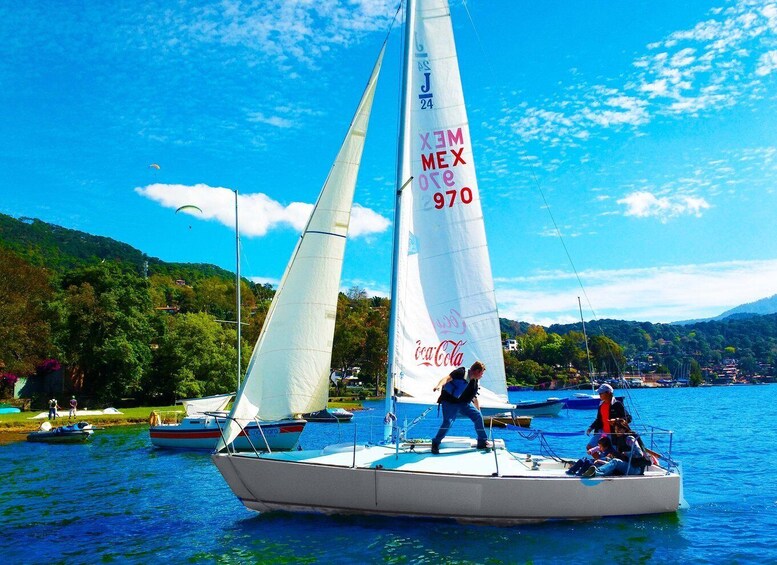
point(445, 312)
point(289, 368)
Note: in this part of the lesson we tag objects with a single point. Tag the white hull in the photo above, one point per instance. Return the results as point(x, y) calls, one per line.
point(418, 484)
point(204, 433)
point(539, 408)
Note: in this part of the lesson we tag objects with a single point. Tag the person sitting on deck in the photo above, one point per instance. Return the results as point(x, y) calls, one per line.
point(602, 452)
point(631, 462)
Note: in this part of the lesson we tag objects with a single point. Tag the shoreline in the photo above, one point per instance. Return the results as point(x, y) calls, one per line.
point(18, 425)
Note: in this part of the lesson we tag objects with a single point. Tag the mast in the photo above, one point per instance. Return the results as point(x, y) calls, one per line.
point(402, 148)
point(587, 352)
point(237, 291)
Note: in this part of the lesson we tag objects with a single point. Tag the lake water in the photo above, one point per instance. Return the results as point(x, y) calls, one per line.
point(117, 499)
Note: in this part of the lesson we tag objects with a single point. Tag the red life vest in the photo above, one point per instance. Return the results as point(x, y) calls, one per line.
point(604, 411)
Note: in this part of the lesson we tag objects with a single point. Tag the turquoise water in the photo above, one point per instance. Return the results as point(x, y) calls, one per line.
point(116, 499)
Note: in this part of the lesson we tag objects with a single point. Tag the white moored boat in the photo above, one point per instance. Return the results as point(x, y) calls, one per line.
point(443, 316)
point(205, 417)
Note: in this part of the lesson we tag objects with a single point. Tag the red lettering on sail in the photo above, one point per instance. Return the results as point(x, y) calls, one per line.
point(427, 161)
point(457, 157)
point(442, 139)
point(446, 354)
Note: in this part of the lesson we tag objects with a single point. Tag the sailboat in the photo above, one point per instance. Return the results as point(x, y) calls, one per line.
point(443, 315)
point(200, 428)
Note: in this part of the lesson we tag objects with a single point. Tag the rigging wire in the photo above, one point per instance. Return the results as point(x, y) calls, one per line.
point(556, 228)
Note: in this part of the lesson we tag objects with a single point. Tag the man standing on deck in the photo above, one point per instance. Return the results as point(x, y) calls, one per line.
point(455, 398)
point(610, 409)
point(73, 407)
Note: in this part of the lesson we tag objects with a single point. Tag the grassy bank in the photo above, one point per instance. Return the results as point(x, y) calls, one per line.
point(21, 422)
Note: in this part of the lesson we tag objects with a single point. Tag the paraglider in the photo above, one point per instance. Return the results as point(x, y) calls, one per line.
point(154, 166)
point(189, 207)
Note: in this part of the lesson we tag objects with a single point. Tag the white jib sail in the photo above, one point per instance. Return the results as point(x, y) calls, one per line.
point(289, 369)
point(446, 314)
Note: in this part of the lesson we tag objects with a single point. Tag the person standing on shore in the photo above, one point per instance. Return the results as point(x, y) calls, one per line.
point(73, 407)
point(459, 396)
point(53, 408)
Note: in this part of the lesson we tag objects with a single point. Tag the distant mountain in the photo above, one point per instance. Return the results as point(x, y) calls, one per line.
point(59, 249)
point(512, 328)
point(760, 307)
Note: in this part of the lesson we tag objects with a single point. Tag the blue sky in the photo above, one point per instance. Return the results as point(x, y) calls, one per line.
point(645, 133)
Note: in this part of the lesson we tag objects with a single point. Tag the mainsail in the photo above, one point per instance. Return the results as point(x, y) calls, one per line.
point(289, 369)
point(445, 313)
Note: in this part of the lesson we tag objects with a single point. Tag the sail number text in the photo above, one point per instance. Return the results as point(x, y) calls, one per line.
point(439, 157)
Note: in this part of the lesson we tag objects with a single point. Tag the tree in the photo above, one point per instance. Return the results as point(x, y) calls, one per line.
point(607, 355)
point(104, 331)
point(350, 333)
point(196, 356)
point(25, 335)
point(375, 354)
point(696, 377)
point(528, 371)
point(215, 296)
point(551, 352)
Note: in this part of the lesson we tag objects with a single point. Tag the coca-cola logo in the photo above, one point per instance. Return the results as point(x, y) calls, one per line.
point(447, 353)
point(450, 323)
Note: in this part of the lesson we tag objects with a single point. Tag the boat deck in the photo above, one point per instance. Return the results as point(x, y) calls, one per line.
point(414, 457)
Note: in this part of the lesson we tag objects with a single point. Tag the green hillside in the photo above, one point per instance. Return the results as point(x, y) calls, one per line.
point(61, 249)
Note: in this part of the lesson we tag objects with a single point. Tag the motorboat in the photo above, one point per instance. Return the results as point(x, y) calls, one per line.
point(549, 407)
point(332, 415)
point(72, 433)
point(582, 401)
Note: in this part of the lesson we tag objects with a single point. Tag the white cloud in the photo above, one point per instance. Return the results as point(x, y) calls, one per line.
point(283, 32)
point(660, 294)
point(276, 121)
point(766, 63)
point(643, 204)
point(365, 222)
point(258, 212)
point(266, 280)
point(703, 68)
point(619, 110)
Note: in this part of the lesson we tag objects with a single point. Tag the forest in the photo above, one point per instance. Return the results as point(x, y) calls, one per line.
point(122, 325)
